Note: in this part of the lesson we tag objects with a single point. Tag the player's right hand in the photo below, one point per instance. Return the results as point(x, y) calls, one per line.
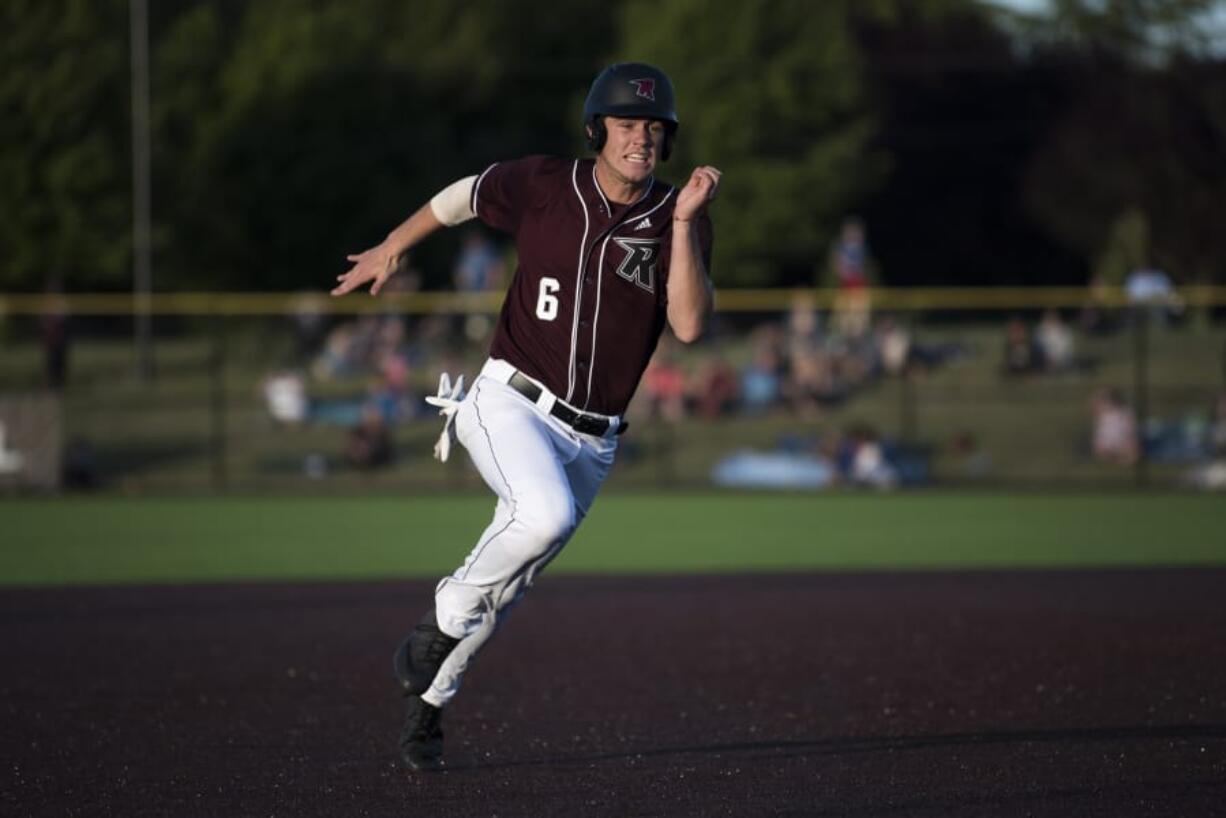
point(375, 264)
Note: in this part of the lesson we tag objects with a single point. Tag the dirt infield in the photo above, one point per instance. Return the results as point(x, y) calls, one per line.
point(1002, 694)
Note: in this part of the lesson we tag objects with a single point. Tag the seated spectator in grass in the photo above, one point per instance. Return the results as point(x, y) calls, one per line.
point(1114, 436)
point(1055, 342)
point(1216, 430)
point(1152, 289)
point(369, 444)
point(1099, 314)
point(715, 391)
point(285, 396)
point(761, 380)
point(974, 462)
point(1021, 357)
point(868, 465)
point(664, 384)
point(893, 346)
point(808, 383)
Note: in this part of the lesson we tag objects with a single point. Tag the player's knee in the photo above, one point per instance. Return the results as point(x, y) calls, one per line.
point(550, 523)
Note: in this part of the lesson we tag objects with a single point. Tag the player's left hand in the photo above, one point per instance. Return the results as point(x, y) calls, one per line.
point(702, 187)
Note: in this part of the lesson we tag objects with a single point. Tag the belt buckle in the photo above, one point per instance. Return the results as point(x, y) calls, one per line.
point(589, 425)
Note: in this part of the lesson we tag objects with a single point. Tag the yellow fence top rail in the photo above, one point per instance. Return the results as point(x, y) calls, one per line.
point(726, 300)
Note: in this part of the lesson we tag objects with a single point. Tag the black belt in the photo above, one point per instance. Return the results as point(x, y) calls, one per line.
point(579, 421)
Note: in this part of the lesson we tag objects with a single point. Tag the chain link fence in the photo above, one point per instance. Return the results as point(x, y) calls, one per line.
point(791, 390)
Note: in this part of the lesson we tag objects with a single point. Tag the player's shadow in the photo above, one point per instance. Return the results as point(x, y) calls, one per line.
point(852, 746)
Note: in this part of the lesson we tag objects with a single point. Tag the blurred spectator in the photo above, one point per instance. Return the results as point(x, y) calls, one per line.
point(338, 356)
point(309, 324)
point(1020, 355)
point(1215, 432)
point(974, 462)
point(850, 264)
point(369, 443)
point(762, 378)
point(893, 346)
point(53, 327)
point(714, 389)
point(386, 399)
point(1055, 343)
point(810, 382)
point(80, 465)
point(11, 460)
point(868, 465)
point(808, 373)
point(1114, 435)
point(1210, 474)
point(804, 325)
point(285, 397)
point(394, 371)
point(1152, 288)
point(1100, 313)
point(478, 268)
point(664, 384)
point(857, 359)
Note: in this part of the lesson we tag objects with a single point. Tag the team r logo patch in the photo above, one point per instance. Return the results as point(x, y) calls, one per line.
point(645, 88)
point(639, 265)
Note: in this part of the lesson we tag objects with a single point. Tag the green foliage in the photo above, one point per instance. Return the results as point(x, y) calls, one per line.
point(772, 95)
point(1150, 31)
point(1162, 156)
point(326, 125)
point(287, 134)
point(63, 143)
point(1126, 249)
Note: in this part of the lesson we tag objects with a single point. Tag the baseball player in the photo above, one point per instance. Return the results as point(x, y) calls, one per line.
point(607, 255)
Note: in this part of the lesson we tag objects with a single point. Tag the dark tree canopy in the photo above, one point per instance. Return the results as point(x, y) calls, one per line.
point(979, 147)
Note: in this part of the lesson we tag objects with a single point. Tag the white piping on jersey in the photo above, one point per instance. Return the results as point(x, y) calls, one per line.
point(571, 372)
point(574, 326)
point(477, 186)
point(608, 211)
point(600, 279)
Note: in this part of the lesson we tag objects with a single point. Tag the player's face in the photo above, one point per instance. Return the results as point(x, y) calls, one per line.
point(632, 148)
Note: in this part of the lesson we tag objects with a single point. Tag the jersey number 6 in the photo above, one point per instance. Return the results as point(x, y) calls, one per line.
point(547, 302)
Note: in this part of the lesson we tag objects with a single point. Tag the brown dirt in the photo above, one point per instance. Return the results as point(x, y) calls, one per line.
point(1002, 694)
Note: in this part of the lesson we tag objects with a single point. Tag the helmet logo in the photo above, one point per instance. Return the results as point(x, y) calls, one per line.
point(645, 89)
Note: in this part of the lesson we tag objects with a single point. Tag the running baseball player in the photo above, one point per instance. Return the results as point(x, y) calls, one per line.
point(607, 256)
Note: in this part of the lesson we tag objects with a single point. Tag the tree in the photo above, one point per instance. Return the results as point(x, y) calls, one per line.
point(772, 95)
point(64, 166)
point(1162, 156)
point(961, 113)
point(291, 135)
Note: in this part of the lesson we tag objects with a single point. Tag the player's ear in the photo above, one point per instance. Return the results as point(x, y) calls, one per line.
point(670, 133)
point(596, 133)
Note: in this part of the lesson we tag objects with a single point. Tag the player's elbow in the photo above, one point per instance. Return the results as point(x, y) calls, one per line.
point(689, 322)
point(689, 331)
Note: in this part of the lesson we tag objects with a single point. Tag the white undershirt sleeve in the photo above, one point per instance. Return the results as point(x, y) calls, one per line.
point(453, 204)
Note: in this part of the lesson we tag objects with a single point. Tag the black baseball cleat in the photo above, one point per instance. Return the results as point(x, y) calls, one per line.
point(421, 740)
point(420, 655)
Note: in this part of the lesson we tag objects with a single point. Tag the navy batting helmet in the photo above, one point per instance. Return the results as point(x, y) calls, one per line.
point(632, 90)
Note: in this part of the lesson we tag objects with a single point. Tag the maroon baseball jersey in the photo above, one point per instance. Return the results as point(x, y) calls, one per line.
point(587, 304)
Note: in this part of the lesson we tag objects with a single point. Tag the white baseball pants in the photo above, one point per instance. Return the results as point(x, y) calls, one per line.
point(546, 476)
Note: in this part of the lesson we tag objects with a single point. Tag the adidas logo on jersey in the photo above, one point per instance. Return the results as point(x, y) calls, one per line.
point(644, 224)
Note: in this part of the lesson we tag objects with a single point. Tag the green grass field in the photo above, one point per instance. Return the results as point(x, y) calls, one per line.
point(138, 540)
